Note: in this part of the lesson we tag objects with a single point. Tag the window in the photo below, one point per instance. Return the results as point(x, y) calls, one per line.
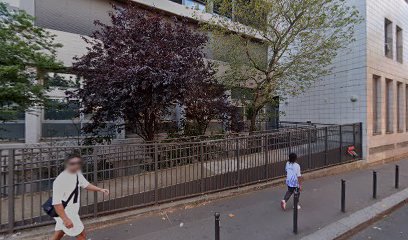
point(177, 1)
point(376, 105)
point(400, 104)
point(388, 38)
point(400, 53)
point(196, 5)
point(388, 106)
point(61, 110)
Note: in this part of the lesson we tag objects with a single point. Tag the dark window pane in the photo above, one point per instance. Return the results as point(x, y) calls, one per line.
point(59, 110)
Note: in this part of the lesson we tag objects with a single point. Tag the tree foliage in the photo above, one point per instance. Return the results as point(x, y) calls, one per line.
point(137, 68)
point(302, 39)
point(206, 101)
point(26, 52)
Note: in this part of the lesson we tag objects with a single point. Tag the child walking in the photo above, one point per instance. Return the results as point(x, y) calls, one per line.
point(293, 179)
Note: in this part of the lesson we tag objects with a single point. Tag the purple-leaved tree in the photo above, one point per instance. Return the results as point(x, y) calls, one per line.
point(137, 68)
point(206, 101)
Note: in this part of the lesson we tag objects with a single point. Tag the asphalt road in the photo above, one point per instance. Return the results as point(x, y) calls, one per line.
point(391, 227)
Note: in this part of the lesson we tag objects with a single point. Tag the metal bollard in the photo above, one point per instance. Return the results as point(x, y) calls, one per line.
point(217, 226)
point(374, 184)
point(295, 211)
point(343, 195)
point(396, 176)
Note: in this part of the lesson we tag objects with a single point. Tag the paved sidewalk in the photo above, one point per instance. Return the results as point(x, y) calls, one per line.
point(257, 215)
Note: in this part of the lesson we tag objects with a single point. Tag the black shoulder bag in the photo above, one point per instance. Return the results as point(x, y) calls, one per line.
point(49, 208)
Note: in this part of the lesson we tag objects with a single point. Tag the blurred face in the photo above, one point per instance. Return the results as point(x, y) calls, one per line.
point(74, 164)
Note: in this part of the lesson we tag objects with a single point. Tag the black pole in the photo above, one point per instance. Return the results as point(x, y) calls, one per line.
point(217, 226)
point(295, 211)
point(343, 195)
point(374, 184)
point(396, 176)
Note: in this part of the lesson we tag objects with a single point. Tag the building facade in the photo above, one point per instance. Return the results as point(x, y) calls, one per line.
point(69, 20)
point(369, 83)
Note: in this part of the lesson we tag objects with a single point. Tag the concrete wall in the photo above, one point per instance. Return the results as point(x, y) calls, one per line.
point(72, 16)
point(73, 45)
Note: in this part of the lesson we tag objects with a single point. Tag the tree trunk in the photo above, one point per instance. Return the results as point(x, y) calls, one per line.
point(252, 127)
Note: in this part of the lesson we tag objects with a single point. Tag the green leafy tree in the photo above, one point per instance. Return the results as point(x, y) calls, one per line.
point(26, 53)
point(301, 38)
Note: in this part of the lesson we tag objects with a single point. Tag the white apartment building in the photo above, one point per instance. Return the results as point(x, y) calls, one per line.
point(369, 83)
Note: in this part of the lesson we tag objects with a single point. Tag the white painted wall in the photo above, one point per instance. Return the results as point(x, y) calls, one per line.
point(328, 101)
point(73, 45)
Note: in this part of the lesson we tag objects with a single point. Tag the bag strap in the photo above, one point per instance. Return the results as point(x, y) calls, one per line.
point(75, 192)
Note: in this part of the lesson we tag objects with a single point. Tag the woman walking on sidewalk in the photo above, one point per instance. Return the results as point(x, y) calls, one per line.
point(293, 179)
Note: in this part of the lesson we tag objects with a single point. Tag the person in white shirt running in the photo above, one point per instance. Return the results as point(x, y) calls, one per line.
point(66, 184)
point(293, 179)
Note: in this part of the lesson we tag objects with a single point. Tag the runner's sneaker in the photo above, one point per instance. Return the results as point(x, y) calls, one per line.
point(283, 205)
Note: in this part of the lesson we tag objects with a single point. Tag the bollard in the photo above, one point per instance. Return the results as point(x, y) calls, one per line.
point(396, 176)
point(217, 226)
point(343, 195)
point(374, 184)
point(295, 211)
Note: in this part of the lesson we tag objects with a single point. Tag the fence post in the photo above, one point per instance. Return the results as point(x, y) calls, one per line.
point(95, 177)
point(290, 141)
point(295, 211)
point(374, 184)
point(326, 145)
point(309, 149)
point(360, 131)
point(156, 177)
point(354, 135)
point(217, 226)
point(341, 142)
point(10, 189)
point(238, 164)
point(202, 166)
point(343, 195)
point(266, 156)
point(396, 176)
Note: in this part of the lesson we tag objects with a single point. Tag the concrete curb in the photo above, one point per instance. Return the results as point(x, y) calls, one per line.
point(345, 227)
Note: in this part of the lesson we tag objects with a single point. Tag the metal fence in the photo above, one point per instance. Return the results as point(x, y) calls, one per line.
point(138, 175)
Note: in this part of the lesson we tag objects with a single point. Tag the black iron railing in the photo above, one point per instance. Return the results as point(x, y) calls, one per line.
point(144, 174)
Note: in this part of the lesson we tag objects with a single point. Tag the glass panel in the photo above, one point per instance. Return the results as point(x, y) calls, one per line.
point(61, 110)
point(195, 5)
